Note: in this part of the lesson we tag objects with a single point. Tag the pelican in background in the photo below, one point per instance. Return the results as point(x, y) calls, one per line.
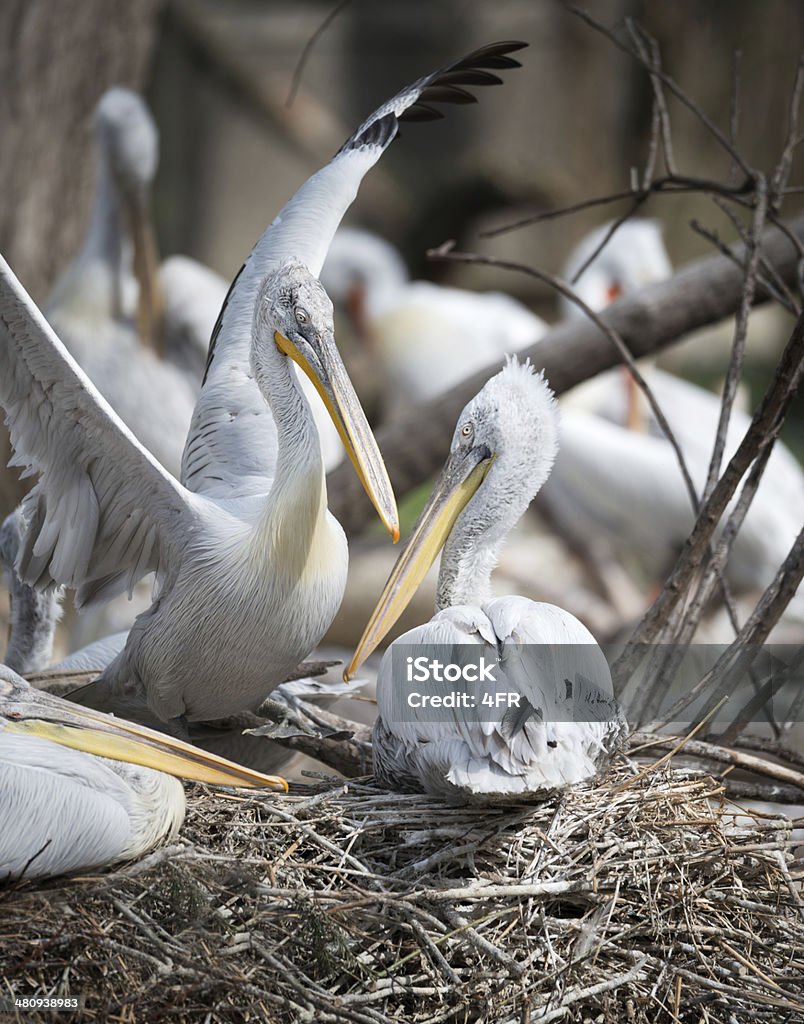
point(566, 723)
point(108, 306)
point(250, 564)
point(616, 476)
point(428, 337)
point(79, 789)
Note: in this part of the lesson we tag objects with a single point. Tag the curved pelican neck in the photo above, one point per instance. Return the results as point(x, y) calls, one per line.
point(472, 548)
point(99, 267)
point(296, 507)
point(467, 562)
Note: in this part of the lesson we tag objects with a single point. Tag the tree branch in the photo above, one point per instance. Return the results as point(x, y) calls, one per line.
point(701, 293)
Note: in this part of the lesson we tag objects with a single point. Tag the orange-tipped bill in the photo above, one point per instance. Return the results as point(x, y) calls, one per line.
point(459, 480)
point(333, 385)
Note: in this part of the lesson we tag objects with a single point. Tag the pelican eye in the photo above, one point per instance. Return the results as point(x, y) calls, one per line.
point(467, 431)
point(301, 316)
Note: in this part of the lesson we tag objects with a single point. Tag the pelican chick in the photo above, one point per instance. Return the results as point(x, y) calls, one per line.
point(564, 723)
point(80, 789)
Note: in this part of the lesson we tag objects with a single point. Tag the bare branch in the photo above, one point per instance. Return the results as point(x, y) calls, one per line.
point(740, 332)
point(703, 292)
point(781, 175)
point(670, 83)
point(774, 405)
point(308, 49)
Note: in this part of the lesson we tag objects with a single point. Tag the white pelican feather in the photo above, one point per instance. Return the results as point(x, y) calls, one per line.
point(250, 564)
point(565, 723)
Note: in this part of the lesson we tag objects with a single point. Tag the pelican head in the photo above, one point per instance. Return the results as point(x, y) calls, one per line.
point(502, 451)
point(294, 315)
point(127, 134)
point(129, 143)
point(25, 711)
point(633, 258)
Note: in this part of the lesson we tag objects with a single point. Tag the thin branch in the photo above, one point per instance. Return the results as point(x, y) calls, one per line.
point(670, 83)
point(666, 185)
point(781, 175)
point(774, 404)
point(648, 50)
point(740, 332)
point(734, 107)
point(308, 49)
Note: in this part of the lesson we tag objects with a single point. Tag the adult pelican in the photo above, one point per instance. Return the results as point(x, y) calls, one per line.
point(108, 306)
point(428, 337)
point(193, 297)
point(32, 628)
point(563, 722)
point(250, 564)
point(617, 477)
point(80, 789)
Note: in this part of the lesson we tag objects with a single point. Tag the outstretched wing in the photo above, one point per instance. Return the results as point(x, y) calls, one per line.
point(104, 512)
point(232, 441)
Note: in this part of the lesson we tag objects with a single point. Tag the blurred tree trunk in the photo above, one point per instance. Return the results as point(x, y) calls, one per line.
point(56, 59)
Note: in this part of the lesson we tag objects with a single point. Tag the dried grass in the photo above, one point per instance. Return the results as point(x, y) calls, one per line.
point(631, 901)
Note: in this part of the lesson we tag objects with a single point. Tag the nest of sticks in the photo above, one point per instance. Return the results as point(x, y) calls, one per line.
point(633, 900)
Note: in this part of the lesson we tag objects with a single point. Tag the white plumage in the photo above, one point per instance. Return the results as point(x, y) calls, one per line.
point(107, 306)
point(625, 484)
point(566, 722)
point(77, 811)
point(80, 790)
point(250, 564)
point(428, 337)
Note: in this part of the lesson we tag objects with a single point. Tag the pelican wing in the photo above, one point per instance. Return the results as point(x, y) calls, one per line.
point(104, 510)
point(231, 448)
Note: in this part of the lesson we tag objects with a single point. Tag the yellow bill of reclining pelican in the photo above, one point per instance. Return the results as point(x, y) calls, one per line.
point(80, 789)
point(559, 722)
point(250, 564)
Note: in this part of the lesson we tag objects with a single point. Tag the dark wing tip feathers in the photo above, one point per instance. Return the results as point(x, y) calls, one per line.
point(444, 86)
point(447, 85)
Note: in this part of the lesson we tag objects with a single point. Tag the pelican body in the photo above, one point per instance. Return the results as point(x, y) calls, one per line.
point(617, 475)
point(428, 337)
point(564, 724)
point(250, 564)
point(79, 789)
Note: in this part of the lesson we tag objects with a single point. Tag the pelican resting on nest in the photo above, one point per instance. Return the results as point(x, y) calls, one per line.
point(250, 564)
point(80, 789)
point(563, 723)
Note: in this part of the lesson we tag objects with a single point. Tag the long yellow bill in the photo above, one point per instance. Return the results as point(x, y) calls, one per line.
point(332, 383)
point(30, 712)
point(459, 480)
